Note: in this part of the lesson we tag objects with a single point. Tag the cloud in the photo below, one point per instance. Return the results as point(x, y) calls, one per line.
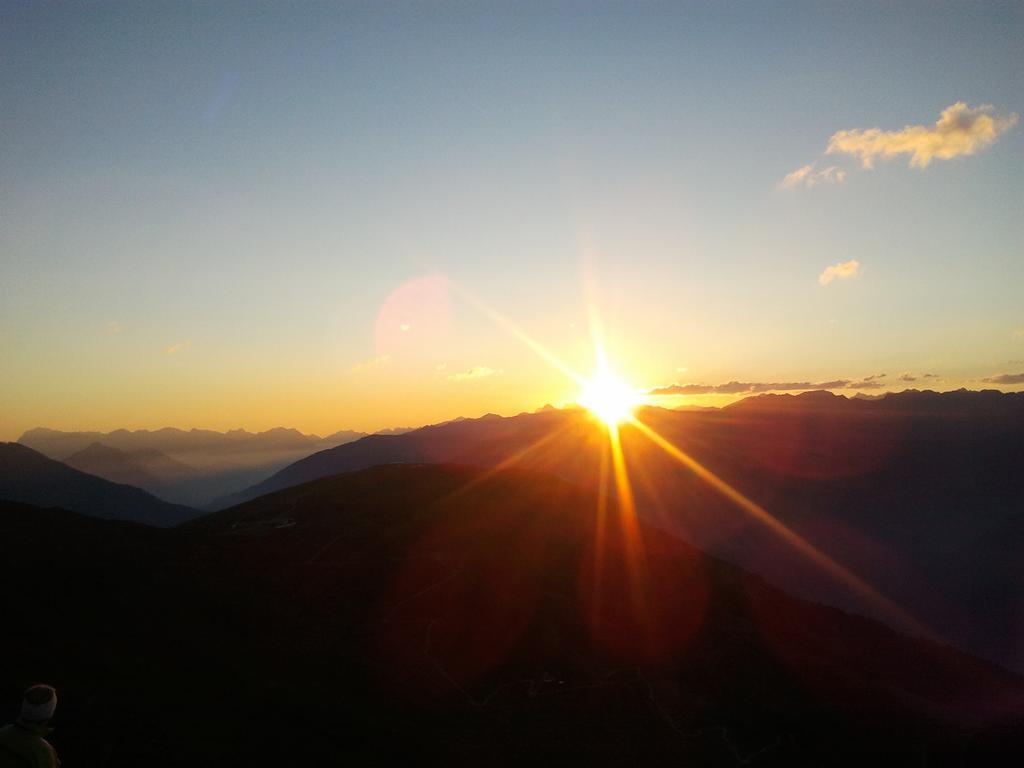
point(113, 327)
point(373, 362)
point(747, 388)
point(909, 377)
point(174, 349)
point(796, 178)
point(842, 270)
point(868, 382)
point(806, 176)
point(1005, 378)
point(960, 130)
point(476, 372)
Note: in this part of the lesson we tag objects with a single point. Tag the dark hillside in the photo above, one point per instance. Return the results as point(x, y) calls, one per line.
point(441, 614)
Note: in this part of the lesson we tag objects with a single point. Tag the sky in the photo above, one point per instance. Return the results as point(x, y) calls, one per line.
point(330, 216)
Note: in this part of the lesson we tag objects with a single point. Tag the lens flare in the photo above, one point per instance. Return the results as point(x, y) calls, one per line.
point(609, 398)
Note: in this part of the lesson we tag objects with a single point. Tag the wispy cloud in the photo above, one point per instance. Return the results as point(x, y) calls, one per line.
point(960, 130)
point(910, 377)
point(476, 372)
point(174, 349)
point(875, 381)
point(1005, 378)
point(806, 176)
point(373, 362)
point(843, 270)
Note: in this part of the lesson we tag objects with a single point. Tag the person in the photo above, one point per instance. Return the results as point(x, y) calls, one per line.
point(23, 744)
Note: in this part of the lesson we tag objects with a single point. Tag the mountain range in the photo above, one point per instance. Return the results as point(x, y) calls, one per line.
point(56, 443)
point(918, 495)
point(28, 476)
point(190, 467)
point(145, 468)
point(446, 614)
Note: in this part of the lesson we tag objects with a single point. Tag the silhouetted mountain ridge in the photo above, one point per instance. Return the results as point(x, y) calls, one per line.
point(443, 614)
point(897, 490)
point(110, 464)
point(149, 469)
point(29, 477)
point(189, 467)
point(56, 443)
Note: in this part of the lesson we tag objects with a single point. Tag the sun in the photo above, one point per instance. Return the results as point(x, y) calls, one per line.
point(608, 398)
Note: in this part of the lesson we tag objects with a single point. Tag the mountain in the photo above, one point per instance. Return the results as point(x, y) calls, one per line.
point(147, 469)
point(349, 435)
point(394, 431)
point(904, 493)
point(55, 443)
point(485, 441)
point(28, 476)
point(185, 467)
point(340, 437)
point(449, 615)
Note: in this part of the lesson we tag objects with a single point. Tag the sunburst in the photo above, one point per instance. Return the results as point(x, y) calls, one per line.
point(613, 402)
point(609, 398)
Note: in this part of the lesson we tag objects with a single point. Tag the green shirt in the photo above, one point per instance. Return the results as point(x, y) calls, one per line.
point(23, 745)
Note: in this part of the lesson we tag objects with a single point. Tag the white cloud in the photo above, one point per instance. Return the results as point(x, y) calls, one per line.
point(806, 176)
point(960, 130)
point(476, 372)
point(830, 175)
point(797, 177)
point(842, 270)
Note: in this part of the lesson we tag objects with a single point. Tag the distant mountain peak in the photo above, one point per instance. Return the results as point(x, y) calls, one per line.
point(865, 396)
point(29, 477)
point(99, 449)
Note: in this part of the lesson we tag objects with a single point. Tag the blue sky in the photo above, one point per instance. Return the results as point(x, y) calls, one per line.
point(204, 207)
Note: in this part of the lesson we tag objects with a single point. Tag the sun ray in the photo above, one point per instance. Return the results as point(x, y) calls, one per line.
point(600, 534)
point(627, 518)
point(506, 463)
point(511, 328)
point(613, 403)
point(776, 526)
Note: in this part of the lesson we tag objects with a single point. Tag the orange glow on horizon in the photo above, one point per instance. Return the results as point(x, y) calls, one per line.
point(613, 402)
point(608, 398)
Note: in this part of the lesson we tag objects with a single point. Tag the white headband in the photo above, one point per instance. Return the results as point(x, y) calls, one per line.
point(37, 713)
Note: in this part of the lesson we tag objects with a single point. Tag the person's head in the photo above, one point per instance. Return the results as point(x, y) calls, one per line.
point(39, 703)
